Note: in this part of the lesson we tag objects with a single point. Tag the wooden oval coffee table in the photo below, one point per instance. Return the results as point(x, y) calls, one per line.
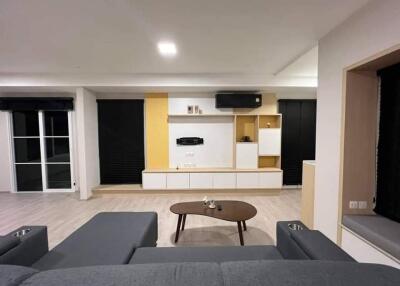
point(235, 211)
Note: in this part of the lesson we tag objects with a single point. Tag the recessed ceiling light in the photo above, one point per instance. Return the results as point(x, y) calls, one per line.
point(167, 49)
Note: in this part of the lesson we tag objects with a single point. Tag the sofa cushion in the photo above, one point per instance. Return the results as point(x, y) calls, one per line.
point(168, 274)
point(7, 243)
point(106, 239)
point(203, 254)
point(308, 272)
point(380, 231)
point(11, 275)
point(318, 247)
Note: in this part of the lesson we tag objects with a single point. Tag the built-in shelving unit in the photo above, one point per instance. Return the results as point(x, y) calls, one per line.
point(264, 133)
point(256, 157)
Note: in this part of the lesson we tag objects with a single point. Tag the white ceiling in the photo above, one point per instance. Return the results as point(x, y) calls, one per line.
point(213, 37)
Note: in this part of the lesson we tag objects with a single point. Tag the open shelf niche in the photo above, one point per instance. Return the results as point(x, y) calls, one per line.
point(269, 162)
point(246, 125)
point(270, 121)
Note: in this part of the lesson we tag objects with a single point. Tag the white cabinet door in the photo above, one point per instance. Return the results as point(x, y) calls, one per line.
point(201, 180)
point(270, 180)
point(224, 181)
point(269, 140)
point(154, 181)
point(178, 181)
point(247, 180)
point(246, 156)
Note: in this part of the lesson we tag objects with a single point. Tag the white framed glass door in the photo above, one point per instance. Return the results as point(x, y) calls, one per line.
point(42, 151)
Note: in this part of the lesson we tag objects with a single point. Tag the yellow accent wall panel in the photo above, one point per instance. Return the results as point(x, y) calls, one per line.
point(156, 117)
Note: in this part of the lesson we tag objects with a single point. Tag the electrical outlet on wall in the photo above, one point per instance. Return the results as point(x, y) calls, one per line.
point(353, 205)
point(362, 205)
point(189, 154)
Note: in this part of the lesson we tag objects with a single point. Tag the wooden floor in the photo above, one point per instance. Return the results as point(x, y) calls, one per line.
point(63, 213)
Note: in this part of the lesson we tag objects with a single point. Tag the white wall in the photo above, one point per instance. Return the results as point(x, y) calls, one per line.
point(217, 150)
point(87, 138)
point(369, 31)
point(5, 157)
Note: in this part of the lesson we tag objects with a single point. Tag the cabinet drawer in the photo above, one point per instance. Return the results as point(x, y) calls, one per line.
point(155, 181)
point(178, 181)
point(224, 181)
point(272, 180)
point(201, 180)
point(247, 180)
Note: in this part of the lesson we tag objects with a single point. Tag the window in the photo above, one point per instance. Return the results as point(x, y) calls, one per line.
point(42, 150)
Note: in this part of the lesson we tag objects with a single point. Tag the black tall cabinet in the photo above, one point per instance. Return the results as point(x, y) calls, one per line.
point(298, 137)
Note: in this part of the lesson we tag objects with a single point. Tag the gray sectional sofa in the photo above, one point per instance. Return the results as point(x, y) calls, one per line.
point(119, 249)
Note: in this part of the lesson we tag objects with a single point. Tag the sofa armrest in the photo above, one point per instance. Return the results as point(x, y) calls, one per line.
point(33, 245)
point(296, 241)
point(288, 248)
point(318, 247)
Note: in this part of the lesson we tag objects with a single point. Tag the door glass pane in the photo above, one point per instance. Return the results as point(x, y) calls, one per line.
point(27, 150)
point(29, 178)
point(56, 123)
point(58, 176)
point(25, 123)
point(57, 149)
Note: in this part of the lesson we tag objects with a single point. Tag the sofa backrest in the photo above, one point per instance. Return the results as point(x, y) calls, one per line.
point(308, 272)
point(243, 273)
point(7, 243)
point(11, 275)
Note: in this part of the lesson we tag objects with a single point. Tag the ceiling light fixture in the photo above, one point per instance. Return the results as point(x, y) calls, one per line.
point(167, 49)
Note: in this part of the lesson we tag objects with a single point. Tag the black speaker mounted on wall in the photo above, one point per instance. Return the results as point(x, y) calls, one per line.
point(190, 141)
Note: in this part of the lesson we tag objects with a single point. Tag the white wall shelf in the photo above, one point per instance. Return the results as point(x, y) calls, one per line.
point(210, 170)
point(201, 115)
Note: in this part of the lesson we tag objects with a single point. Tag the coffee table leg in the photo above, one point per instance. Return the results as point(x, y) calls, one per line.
point(244, 225)
point(239, 223)
point(178, 227)
point(183, 223)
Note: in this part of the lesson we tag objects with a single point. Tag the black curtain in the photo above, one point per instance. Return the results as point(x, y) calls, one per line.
point(36, 103)
point(121, 141)
point(388, 171)
point(298, 137)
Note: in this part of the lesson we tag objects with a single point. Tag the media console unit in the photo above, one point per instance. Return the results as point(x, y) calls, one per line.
point(223, 178)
